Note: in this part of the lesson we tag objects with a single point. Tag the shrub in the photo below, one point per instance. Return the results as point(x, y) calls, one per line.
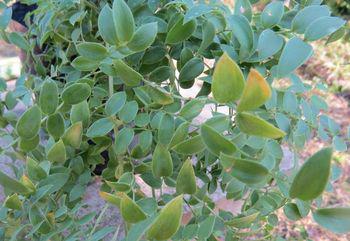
point(103, 85)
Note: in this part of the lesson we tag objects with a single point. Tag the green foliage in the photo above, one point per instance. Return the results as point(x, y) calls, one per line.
point(107, 88)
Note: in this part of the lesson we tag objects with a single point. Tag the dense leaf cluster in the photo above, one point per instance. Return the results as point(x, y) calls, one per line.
point(104, 85)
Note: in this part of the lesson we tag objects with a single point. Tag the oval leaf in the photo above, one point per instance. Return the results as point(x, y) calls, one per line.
point(253, 125)
point(272, 14)
point(94, 51)
point(115, 103)
point(168, 221)
point(106, 27)
point(313, 176)
point(180, 31)
point(186, 179)
point(143, 37)
point(100, 128)
point(55, 125)
point(123, 20)
point(162, 163)
point(228, 80)
point(335, 219)
point(76, 93)
point(29, 123)
point(131, 212)
point(129, 76)
point(191, 146)
point(73, 135)
point(12, 184)
point(256, 92)
point(329, 26)
point(57, 152)
point(48, 98)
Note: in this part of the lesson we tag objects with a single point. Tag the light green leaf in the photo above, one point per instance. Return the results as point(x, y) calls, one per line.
point(128, 112)
point(115, 103)
point(215, 142)
point(143, 37)
point(93, 51)
point(123, 20)
point(131, 212)
point(206, 228)
point(294, 54)
point(57, 152)
point(73, 135)
point(123, 140)
point(162, 163)
point(12, 184)
point(253, 125)
point(129, 76)
point(307, 15)
point(242, 222)
point(80, 112)
point(180, 31)
point(55, 125)
point(334, 219)
point(29, 123)
point(322, 27)
point(76, 93)
point(48, 97)
point(186, 179)
point(166, 129)
point(85, 64)
point(100, 127)
point(190, 146)
point(106, 26)
point(180, 134)
point(272, 14)
point(313, 176)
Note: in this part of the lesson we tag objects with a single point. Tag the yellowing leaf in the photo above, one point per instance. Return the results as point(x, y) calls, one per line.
point(113, 199)
point(73, 135)
point(131, 212)
point(186, 179)
point(313, 176)
point(228, 80)
point(168, 221)
point(253, 125)
point(242, 222)
point(256, 92)
point(129, 76)
point(13, 202)
point(215, 142)
point(190, 146)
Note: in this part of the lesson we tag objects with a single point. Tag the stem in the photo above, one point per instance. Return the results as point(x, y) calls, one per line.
point(98, 220)
point(110, 85)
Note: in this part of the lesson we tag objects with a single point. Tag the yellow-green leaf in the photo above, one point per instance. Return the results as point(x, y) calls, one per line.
point(186, 179)
point(131, 212)
point(34, 170)
point(129, 76)
point(73, 135)
point(143, 37)
point(162, 163)
point(48, 98)
point(111, 198)
point(242, 222)
point(313, 176)
point(28, 144)
point(57, 152)
point(123, 20)
point(92, 50)
point(12, 184)
point(13, 202)
point(190, 146)
point(256, 92)
point(215, 142)
point(253, 125)
point(168, 221)
point(76, 93)
point(180, 31)
point(228, 80)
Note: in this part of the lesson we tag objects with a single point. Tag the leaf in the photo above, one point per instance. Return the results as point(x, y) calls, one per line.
point(115, 103)
point(162, 163)
point(28, 145)
point(76, 93)
point(122, 140)
point(80, 112)
point(168, 221)
point(328, 26)
point(48, 98)
point(18, 40)
point(128, 75)
point(180, 31)
point(93, 51)
point(100, 128)
point(190, 146)
point(294, 54)
point(243, 7)
point(253, 125)
point(138, 230)
point(166, 129)
point(336, 220)
point(129, 111)
point(110, 198)
point(206, 228)
point(208, 35)
point(192, 109)
point(243, 32)
point(307, 15)
point(85, 64)
point(292, 212)
point(228, 80)
point(196, 11)
point(73, 135)
point(55, 125)
point(13, 202)
point(191, 70)
point(180, 134)
point(28, 124)
point(143, 37)
point(269, 43)
point(123, 20)
point(272, 14)
point(131, 212)
point(246, 171)
point(242, 222)
point(160, 74)
point(5, 18)
point(34, 170)
point(215, 142)
point(106, 27)
point(57, 153)
point(186, 179)
point(313, 176)
point(256, 92)
point(12, 184)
